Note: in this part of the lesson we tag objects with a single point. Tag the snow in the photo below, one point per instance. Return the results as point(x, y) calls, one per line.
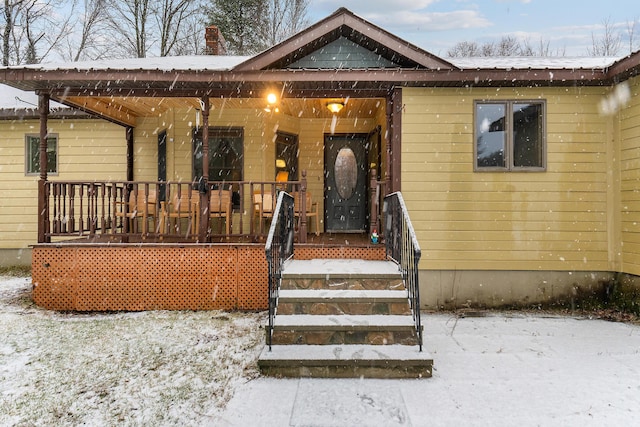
point(199, 368)
point(500, 370)
point(339, 268)
point(343, 320)
point(342, 294)
point(534, 62)
point(164, 63)
point(150, 368)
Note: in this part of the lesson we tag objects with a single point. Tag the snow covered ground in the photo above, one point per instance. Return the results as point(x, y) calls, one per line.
point(500, 370)
point(152, 368)
point(199, 368)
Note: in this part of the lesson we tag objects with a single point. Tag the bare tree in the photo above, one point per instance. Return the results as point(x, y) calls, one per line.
point(506, 46)
point(170, 16)
point(285, 18)
point(88, 35)
point(631, 33)
point(464, 49)
point(607, 44)
point(10, 11)
point(32, 29)
point(190, 39)
point(128, 19)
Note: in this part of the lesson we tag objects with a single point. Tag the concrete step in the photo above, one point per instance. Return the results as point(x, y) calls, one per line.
point(325, 302)
point(345, 361)
point(344, 329)
point(341, 274)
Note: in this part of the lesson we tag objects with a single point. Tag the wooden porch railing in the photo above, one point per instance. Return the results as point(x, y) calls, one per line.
point(152, 210)
point(127, 210)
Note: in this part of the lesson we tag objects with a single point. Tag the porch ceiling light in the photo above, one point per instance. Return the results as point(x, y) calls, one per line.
point(335, 107)
point(272, 99)
point(281, 164)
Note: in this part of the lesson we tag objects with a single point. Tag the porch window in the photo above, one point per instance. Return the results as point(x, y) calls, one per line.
point(510, 136)
point(287, 155)
point(225, 154)
point(32, 154)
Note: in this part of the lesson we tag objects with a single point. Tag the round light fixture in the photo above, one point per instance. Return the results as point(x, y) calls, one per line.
point(335, 107)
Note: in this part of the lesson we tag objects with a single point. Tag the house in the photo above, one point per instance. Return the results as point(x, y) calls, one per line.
point(520, 175)
point(77, 138)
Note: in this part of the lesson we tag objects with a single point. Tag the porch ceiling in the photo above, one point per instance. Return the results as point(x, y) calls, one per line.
point(127, 109)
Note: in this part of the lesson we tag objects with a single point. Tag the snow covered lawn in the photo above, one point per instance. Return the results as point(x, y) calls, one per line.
point(150, 368)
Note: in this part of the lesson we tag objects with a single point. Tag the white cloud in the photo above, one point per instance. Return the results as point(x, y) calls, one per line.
point(423, 21)
point(378, 5)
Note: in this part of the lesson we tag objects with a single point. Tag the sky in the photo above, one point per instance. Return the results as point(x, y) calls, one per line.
point(437, 25)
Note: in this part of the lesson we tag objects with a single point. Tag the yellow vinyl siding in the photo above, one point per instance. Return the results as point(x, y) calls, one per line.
point(629, 135)
point(552, 220)
point(87, 149)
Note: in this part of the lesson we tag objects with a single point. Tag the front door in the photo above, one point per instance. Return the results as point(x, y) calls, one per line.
point(345, 175)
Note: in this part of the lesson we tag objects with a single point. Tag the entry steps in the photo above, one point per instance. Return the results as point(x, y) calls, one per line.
point(344, 318)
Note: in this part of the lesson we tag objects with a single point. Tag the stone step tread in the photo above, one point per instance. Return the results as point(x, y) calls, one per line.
point(316, 322)
point(341, 295)
point(334, 354)
point(340, 268)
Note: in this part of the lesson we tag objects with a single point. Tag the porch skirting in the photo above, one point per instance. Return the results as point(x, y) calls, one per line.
point(136, 277)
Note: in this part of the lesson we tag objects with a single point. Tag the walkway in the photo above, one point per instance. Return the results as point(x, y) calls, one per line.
point(495, 370)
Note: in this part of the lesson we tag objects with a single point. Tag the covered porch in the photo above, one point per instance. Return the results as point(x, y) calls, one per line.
point(210, 143)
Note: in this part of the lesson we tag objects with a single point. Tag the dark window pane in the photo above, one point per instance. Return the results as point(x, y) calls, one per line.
point(491, 135)
point(225, 154)
point(527, 135)
point(33, 154)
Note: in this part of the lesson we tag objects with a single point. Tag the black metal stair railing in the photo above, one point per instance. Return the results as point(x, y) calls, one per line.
point(279, 248)
point(402, 247)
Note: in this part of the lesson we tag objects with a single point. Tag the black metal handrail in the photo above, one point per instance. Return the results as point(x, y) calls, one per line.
point(279, 248)
point(403, 248)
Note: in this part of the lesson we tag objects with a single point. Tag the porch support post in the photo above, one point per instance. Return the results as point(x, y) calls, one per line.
point(43, 200)
point(129, 135)
point(303, 208)
point(373, 187)
point(204, 183)
point(395, 128)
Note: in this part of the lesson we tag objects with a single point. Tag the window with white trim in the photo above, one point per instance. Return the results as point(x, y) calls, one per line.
point(32, 154)
point(510, 136)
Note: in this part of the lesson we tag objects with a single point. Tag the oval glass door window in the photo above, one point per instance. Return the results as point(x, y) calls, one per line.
point(346, 172)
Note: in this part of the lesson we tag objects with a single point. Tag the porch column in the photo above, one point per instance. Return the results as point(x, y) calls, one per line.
point(129, 134)
point(394, 112)
point(303, 208)
point(204, 183)
point(43, 208)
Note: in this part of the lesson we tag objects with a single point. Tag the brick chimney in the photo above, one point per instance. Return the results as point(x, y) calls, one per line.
point(214, 41)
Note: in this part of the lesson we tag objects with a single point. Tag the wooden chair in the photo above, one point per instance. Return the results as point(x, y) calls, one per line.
point(139, 205)
point(263, 206)
point(221, 206)
point(182, 205)
point(311, 208)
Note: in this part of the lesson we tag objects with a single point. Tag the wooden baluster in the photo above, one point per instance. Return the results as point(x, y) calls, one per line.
point(303, 208)
point(373, 188)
